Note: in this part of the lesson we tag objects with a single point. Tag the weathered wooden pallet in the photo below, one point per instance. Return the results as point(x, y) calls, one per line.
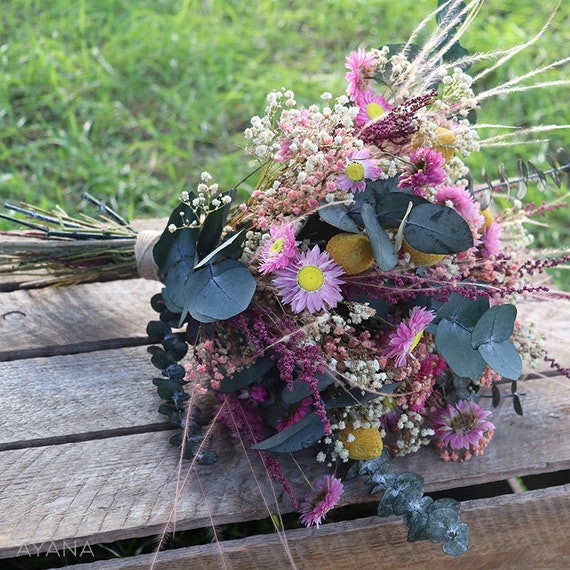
point(84, 457)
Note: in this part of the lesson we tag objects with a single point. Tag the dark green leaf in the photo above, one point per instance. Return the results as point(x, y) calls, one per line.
point(338, 216)
point(496, 396)
point(392, 207)
point(382, 247)
point(351, 397)
point(410, 490)
point(300, 435)
point(459, 309)
point(226, 249)
point(440, 522)
point(160, 358)
point(517, 404)
point(168, 388)
point(171, 248)
point(454, 343)
point(301, 389)
point(380, 464)
point(495, 325)
point(219, 292)
point(457, 542)
point(212, 228)
point(157, 330)
point(246, 376)
point(503, 358)
point(433, 228)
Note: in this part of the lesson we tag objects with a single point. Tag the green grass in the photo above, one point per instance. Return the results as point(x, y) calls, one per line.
point(132, 100)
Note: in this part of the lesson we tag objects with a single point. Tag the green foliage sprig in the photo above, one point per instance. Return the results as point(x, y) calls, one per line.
point(403, 495)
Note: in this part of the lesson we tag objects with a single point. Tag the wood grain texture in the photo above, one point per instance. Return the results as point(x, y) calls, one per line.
point(511, 532)
point(84, 317)
point(120, 487)
point(77, 394)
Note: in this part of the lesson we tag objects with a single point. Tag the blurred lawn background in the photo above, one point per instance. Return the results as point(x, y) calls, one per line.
point(132, 100)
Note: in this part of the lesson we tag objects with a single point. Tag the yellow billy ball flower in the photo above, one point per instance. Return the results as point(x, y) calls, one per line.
point(352, 252)
point(489, 219)
point(419, 257)
point(361, 443)
point(444, 142)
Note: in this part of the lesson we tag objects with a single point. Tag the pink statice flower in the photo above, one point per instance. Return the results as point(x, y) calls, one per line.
point(491, 240)
point(324, 496)
point(371, 107)
point(279, 249)
point(310, 281)
point(425, 171)
point(462, 430)
point(408, 333)
point(362, 67)
point(359, 166)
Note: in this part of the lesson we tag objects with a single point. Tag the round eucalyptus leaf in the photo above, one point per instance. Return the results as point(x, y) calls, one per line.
point(454, 343)
point(495, 325)
point(219, 291)
point(338, 216)
point(457, 541)
point(433, 228)
point(503, 358)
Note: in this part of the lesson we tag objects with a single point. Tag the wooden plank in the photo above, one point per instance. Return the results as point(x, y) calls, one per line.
point(77, 396)
point(528, 531)
point(77, 319)
point(123, 487)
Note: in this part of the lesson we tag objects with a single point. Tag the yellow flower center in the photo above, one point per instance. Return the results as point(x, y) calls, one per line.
point(277, 245)
point(416, 340)
point(355, 171)
point(310, 278)
point(373, 110)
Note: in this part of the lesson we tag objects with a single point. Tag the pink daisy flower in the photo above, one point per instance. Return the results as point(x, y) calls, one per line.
point(362, 67)
point(359, 166)
point(324, 496)
point(426, 171)
point(463, 427)
point(279, 249)
point(311, 281)
point(408, 334)
point(371, 107)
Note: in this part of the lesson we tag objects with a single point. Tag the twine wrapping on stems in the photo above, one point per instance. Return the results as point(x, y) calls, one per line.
point(146, 266)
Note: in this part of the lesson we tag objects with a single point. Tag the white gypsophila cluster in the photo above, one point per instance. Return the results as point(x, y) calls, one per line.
point(389, 168)
point(457, 172)
point(204, 201)
point(368, 415)
point(360, 312)
point(530, 343)
point(261, 137)
point(365, 373)
point(253, 241)
point(457, 96)
point(412, 433)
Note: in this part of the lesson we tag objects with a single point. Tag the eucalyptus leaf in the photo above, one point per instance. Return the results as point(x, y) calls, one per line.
point(173, 247)
point(457, 541)
point(300, 435)
point(223, 250)
point(219, 291)
point(503, 358)
point(301, 390)
point(382, 247)
point(462, 310)
point(440, 522)
point(392, 207)
point(351, 397)
point(433, 228)
point(495, 325)
point(247, 376)
point(338, 216)
point(454, 344)
point(213, 226)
